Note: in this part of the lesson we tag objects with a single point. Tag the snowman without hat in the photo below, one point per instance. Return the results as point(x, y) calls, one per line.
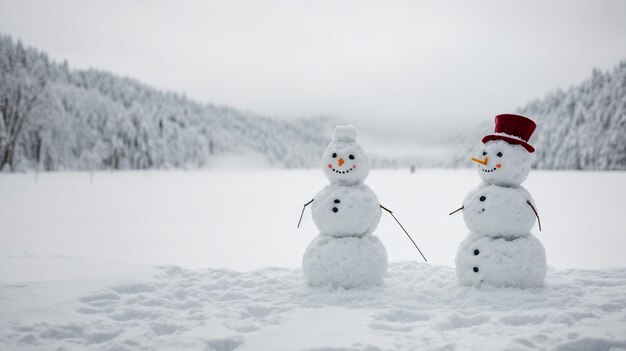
point(346, 253)
point(500, 213)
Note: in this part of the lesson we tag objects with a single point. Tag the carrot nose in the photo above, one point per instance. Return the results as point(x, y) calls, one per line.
point(341, 162)
point(482, 162)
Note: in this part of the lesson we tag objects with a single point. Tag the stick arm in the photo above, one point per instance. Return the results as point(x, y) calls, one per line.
point(455, 211)
point(405, 232)
point(536, 214)
point(302, 214)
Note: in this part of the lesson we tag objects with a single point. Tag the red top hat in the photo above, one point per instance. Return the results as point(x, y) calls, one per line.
point(514, 129)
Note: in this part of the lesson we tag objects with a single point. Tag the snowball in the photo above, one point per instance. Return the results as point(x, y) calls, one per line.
point(345, 133)
point(346, 210)
point(520, 262)
point(499, 211)
point(509, 169)
point(344, 161)
point(349, 262)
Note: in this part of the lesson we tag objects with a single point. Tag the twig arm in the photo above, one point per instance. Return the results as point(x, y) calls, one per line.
point(302, 214)
point(536, 214)
point(405, 232)
point(455, 211)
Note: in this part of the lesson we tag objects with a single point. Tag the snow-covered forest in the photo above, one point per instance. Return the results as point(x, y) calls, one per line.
point(583, 127)
point(56, 118)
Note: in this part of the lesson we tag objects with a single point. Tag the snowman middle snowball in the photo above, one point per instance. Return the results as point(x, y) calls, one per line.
point(346, 212)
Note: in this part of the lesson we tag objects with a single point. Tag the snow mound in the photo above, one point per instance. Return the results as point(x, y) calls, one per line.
point(345, 133)
point(420, 306)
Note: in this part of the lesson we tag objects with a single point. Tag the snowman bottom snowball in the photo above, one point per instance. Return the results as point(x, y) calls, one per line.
point(348, 262)
point(501, 262)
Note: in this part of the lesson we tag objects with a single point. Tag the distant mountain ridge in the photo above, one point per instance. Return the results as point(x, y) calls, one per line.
point(91, 119)
point(583, 127)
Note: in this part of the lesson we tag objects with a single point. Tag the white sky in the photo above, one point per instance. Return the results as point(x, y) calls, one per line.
point(417, 70)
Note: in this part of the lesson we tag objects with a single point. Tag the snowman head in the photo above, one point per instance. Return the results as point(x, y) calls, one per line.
point(505, 158)
point(497, 211)
point(501, 163)
point(345, 162)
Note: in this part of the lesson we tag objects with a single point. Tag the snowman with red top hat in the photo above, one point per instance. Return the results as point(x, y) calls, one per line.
point(500, 213)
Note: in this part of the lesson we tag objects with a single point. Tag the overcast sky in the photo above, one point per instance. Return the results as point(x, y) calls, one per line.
point(415, 69)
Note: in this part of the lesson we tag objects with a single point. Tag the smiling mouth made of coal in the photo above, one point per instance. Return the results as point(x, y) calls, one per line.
point(343, 172)
point(488, 170)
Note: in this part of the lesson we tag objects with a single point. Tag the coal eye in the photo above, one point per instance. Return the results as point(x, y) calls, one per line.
point(499, 154)
point(482, 198)
point(334, 155)
point(351, 157)
point(484, 153)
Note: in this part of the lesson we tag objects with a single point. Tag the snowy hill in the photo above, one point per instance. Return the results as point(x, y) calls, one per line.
point(89, 119)
point(583, 127)
point(57, 118)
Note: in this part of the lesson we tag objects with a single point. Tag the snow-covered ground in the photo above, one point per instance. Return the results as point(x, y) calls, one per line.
point(99, 265)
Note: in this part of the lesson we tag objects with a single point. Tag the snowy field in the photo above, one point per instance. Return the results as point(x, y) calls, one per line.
point(209, 260)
